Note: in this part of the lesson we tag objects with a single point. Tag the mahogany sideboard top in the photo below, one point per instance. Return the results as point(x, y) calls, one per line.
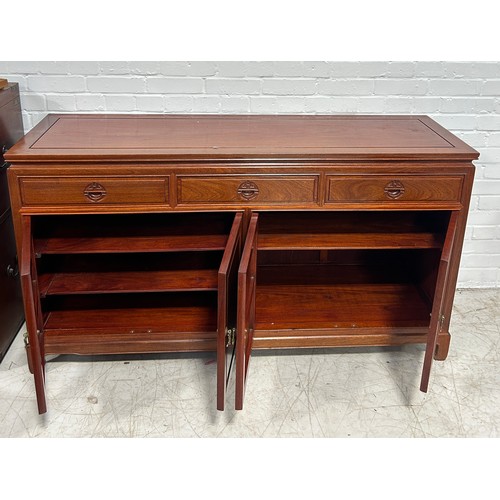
point(88, 138)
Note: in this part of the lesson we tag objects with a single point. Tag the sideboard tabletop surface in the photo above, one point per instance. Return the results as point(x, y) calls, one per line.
point(98, 137)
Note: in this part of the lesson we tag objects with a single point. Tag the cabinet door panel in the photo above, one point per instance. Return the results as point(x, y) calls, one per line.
point(437, 304)
point(31, 306)
point(226, 321)
point(246, 309)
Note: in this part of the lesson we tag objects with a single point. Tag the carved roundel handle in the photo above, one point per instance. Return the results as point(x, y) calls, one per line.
point(94, 192)
point(394, 190)
point(248, 190)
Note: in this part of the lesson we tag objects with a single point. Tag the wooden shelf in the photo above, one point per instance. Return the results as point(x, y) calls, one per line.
point(125, 273)
point(349, 231)
point(348, 241)
point(131, 323)
point(329, 297)
point(129, 244)
point(126, 282)
point(131, 233)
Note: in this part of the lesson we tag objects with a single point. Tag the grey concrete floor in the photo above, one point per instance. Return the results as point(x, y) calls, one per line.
point(371, 392)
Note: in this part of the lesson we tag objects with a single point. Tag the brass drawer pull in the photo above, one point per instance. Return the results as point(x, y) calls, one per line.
point(394, 190)
point(94, 192)
point(248, 190)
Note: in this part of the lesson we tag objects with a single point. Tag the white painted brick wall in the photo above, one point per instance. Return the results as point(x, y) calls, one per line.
point(462, 96)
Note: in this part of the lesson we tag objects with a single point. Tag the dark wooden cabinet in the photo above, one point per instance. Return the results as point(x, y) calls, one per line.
point(11, 304)
point(233, 233)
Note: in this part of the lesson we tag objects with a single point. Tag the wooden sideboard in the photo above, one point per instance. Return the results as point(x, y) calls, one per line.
point(11, 303)
point(154, 233)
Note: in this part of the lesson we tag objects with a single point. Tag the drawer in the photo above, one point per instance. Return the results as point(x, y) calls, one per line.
point(93, 191)
point(393, 189)
point(256, 189)
point(4, 191)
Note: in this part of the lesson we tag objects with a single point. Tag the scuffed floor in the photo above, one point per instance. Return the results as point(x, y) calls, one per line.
point(370, 392)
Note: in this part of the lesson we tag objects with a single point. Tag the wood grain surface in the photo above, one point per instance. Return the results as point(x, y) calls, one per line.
point(98, 137)
point(130, 230)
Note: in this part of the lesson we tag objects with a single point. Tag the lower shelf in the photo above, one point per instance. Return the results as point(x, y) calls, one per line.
point(298, 306)
point(131, 324)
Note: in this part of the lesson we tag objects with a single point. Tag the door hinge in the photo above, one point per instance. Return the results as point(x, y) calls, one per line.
point(230, 336)
point(441, 322)
point(26, 338)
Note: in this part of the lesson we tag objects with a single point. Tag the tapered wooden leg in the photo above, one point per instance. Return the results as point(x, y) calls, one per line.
point(443, 346)
point(28, 356)
point(40, 387)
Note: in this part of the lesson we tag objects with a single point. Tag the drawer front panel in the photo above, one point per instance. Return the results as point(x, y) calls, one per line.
point(393, 189)
point(94, 191)
point(253, 190)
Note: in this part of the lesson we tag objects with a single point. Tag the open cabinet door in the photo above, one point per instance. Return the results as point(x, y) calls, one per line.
point(226, 320)
point(437, 304)
point(246, 310)
point(31, 300)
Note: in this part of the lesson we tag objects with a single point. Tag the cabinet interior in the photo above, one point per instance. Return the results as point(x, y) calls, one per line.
point(367, 270)
point(141, 280)
point(130, 283)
